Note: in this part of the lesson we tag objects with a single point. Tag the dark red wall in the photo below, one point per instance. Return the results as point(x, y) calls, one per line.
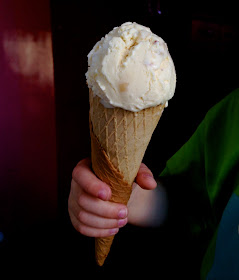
point(28, 187)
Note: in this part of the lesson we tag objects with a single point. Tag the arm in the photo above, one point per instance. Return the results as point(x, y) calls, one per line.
point(92, 213)
point(148, 208)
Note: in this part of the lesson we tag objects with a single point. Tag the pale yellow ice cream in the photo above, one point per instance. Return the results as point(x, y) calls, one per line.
point(131, 68)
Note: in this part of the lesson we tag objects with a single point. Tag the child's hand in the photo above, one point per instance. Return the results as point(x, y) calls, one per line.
point(90, 210)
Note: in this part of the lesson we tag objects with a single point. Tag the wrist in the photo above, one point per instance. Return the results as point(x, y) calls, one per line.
point(148, 208)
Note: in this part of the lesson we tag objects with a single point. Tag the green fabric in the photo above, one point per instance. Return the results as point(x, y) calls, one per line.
point(209, 257)
point(206, 168)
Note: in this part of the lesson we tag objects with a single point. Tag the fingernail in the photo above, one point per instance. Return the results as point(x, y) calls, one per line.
point(122, 222)
point(113, 231)
point(102, 194)
point(149, 177)
point(122, 213)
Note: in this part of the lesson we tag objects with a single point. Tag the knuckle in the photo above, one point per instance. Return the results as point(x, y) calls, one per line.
point(88, 186)
point(116, 224)
point(81, 199)
point(81, 162)
point(113, 211)
point(91, 187)
point(75, 172)
point(81, 216)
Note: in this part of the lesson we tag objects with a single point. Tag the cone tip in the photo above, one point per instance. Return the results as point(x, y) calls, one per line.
point(100, 261)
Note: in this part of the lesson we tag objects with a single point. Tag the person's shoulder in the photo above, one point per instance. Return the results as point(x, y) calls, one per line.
point(233, 96)
point(235, 92)
point(229, 104)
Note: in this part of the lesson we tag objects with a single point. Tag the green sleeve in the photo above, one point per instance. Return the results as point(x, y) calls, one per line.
point(185, 182)
point(199, 177)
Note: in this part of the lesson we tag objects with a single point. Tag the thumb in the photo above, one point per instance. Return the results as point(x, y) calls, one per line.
point(145, 178)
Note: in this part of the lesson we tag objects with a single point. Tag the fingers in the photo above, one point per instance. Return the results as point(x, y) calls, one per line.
point(102, 208)
point(84, 177)
point(145, 178)
point(91, 231)
point(85, 219)
point(100, 222)
point(90, 211)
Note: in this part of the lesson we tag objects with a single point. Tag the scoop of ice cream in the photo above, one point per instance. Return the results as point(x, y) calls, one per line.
point(131, 68)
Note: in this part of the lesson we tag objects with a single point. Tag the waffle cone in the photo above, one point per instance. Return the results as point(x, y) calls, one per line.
point(119, 139)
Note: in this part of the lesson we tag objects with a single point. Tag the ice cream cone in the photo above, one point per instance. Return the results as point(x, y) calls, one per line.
point(130, 72)
point(119, 139)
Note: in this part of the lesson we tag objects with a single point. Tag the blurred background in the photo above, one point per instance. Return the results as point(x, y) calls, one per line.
point(44, 123)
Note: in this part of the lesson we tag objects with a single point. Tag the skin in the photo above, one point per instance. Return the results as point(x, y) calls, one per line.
point(91, 212)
